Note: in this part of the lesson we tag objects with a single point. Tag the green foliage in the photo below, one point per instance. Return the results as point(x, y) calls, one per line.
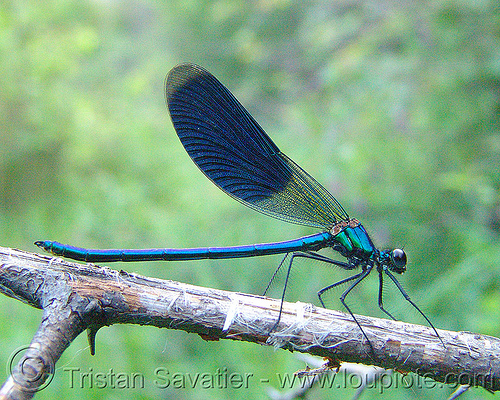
point(393, 107)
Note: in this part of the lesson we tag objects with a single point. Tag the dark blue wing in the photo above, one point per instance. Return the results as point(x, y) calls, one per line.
point(235, 153)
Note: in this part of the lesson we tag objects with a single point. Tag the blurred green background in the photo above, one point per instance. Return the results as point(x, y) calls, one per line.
point(393, 107)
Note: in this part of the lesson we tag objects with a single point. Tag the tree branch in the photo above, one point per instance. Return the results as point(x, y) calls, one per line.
point(77, 297)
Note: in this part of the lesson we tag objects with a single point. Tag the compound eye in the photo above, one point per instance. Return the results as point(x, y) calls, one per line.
point(399, 260)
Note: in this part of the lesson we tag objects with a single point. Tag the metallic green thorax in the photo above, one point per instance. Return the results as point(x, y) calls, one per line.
point(354, 238)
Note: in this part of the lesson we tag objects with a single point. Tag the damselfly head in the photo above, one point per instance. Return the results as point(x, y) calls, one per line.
point(398, 258)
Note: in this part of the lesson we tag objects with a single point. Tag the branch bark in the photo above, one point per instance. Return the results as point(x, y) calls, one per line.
point(77, 297)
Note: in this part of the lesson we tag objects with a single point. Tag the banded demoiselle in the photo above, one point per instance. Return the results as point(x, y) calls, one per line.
point(234, 152)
